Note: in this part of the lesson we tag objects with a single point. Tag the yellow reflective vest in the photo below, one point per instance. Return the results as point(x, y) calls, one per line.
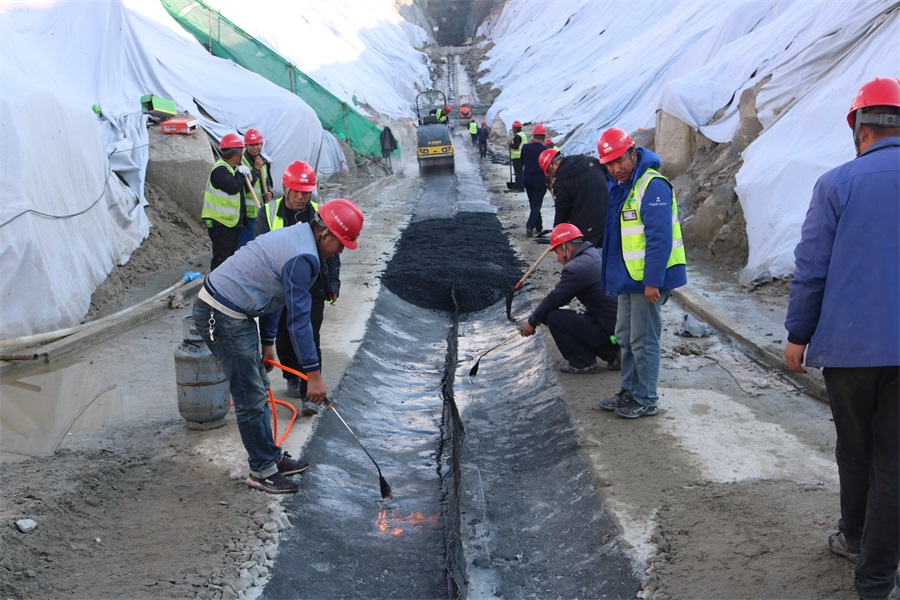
point(252, 211)
point(517, 152)
point(218, 205)
point(276, 222)
point(634, 241)
point(473, 128)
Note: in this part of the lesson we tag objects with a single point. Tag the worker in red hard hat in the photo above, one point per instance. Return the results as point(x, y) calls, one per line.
point(534, 181)
point(483, 133)
point(580, 192)
point(297, 206)
point(443, 114)
point(643, 261)
point(843, 316)
point(519, 139)
point(580, 337)
point(224, 202)
point(260, 180)
point(273, 271)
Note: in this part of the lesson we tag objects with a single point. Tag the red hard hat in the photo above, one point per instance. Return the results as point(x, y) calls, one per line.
point(612, 144)
point(343, 219)
point(562, 233)
point(546, 158)
point(448, 109)
point(252, 137)
point(881, 91)
point(539, 129)
point(484, 122)
point(231, 140)
point(299, 176)
point(517, 125)
point(549, 143)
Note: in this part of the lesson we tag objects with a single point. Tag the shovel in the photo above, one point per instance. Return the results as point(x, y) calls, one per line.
point(509, 296)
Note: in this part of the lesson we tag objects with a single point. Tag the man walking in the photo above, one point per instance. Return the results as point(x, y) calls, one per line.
point(534, 180)
point(843, 307)
point(483, 133)
point(580, 192)
point(643, 261)
point(473, 131)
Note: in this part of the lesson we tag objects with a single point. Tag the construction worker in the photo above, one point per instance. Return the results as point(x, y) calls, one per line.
point(518, 140)
point(269, 273)
point(260, 181)
point(483, 133)
point(843, 307)
point(443, 114)
point(224, 203)
point(580, 192)
point(643, 261)
point(473, 131)
point(580, 337)
point(551, 144)
point(534, 180)
point(299, 183)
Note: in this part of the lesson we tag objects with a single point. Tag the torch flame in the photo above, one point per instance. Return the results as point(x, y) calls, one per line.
point(395, 524)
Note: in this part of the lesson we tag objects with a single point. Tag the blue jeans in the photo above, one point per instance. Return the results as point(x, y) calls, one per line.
point(248, 232)
point(236, 347)
point(638, 328)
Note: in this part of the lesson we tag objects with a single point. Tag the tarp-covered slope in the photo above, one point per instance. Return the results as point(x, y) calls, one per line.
point(617, 65)
point(67, 220)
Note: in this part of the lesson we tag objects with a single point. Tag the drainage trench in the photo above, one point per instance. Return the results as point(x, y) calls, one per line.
point(491, 497)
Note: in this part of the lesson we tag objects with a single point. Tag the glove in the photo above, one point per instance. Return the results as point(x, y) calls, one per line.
point(243, 170)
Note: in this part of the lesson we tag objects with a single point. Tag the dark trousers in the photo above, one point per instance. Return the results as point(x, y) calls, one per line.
point(580, 337)
point(482, 149)
point(224, 242)
point(517, 174)
point(285, 349)
point(536, 193)
point(864, 404)
point(474, 138)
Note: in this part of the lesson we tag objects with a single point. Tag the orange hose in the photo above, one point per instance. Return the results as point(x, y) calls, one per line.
point(288, 369)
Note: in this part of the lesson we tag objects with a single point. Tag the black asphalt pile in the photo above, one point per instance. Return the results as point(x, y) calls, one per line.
point(468, 253)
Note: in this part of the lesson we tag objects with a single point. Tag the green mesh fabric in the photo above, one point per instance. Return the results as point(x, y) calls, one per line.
point(225, 39)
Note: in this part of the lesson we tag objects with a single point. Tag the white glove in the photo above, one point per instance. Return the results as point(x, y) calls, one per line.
point(243, 170)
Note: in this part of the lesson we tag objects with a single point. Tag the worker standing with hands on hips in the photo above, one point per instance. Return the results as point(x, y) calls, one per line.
point(299, 183)
point(224, 203)
point(260, 181)
point(518, 140)
point(844, 308)
point(580, 337)
point(269, 273)
point(643, 261)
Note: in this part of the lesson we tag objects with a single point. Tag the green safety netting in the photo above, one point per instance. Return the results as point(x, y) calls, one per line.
point(225, 39)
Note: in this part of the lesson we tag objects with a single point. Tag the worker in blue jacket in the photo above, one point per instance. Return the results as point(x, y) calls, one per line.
point(643, 261)
point(844, 314)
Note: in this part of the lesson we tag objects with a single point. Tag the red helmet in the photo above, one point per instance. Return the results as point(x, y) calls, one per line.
point(539, 129)
point(612, 144)
point(881, 91)
point(231, 140)
point(563, 233)
point(484, 122)
point(252, 137)
point(299, 176)
point(448, 109)
point(343, 218)
point(546, 158)
point(517, 125)
point(549, 143)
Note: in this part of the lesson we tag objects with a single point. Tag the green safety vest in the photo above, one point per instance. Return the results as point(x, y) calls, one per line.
point(276, 222)
point(513, 153)
point(252, 211)
point(219, 206)
point(441, 117)
point(473, 128)
point(634, 242)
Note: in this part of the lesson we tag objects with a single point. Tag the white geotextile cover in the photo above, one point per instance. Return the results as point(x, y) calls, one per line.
point(58, 59)
point(581, 67)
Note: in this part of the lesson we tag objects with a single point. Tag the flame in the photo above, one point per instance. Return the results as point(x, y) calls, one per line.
point(396, 524)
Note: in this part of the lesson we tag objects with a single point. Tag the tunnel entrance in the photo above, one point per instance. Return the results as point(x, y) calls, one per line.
point(456, 20)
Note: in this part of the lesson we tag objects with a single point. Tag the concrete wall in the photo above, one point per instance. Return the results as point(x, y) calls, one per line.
point(180, 165)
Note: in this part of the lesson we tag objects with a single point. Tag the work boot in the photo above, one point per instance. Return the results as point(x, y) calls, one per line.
point(309, 408)
point(837, 543)
point(291, 466)
point(616, 363)
point(529, 233)
point(568, 368)
point(634, 410)
point(620, 399)
point(294, 388)
point(275, 483)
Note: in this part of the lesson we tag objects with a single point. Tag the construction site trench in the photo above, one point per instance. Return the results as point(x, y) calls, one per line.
point(491, 497)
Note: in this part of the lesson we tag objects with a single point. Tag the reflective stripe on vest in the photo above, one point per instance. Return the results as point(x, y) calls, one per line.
point(513, 153)
point(219, 206)
point(634, 242)
point(473, 128)
point(252, 211)
point(276, 222)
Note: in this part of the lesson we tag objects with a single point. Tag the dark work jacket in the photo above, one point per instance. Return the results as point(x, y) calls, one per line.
point(581, 196)
point(580, 279)
point(483, 134)
point(329, 279)
point(531, 170)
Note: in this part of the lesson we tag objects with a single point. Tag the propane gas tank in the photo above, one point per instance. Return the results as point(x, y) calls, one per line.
point(203, 398)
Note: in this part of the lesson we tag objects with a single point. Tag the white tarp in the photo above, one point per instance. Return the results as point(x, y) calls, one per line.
point(66, 218)
point(581, 66)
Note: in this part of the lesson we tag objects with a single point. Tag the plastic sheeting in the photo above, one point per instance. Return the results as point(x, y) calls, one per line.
point(67, 219)
point(619, 65)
